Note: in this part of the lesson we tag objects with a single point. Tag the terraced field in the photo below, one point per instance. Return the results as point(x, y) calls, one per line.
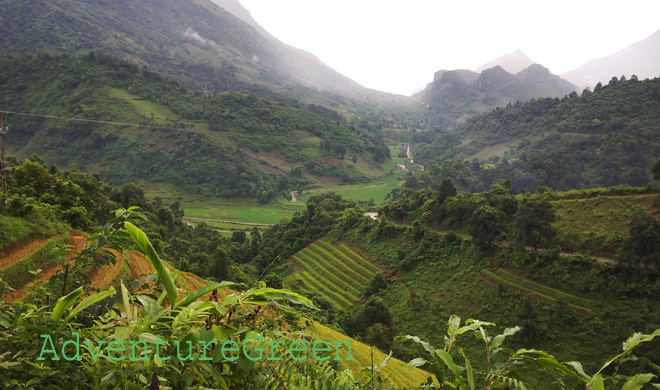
point(17, 262)
point(396, 371)
point(334, 271)
point(519, 283)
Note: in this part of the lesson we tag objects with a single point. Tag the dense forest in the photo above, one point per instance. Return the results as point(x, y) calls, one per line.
point(604, 137)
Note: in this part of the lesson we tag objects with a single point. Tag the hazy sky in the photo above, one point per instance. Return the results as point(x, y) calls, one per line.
point(397, 45)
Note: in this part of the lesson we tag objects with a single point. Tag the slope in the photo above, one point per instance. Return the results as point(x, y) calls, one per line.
point(333, 271)
point(602, 138)
point(511, 62)
point(469, 93)
point(212, 144)
point(641, 59)
point(196, 41)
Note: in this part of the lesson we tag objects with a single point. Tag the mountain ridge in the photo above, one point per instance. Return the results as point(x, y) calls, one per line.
point(511, 62)
point(642, 59)
point(471, 92)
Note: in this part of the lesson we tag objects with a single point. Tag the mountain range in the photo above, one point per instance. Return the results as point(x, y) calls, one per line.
point(194, 41)
point(641, 59)
point(471, 92)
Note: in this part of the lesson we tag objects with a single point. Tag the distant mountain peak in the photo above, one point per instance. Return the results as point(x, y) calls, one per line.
point(511, 62)
point(641, 59)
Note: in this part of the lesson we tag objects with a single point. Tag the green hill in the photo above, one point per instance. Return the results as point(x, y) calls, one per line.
point(225, 145)
point(605, 137)
point(195, 41)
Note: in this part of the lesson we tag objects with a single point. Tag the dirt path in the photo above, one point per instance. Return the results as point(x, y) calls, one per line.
point(12, 255)
point(293, 196)
point(187, 219)
point(79, 242)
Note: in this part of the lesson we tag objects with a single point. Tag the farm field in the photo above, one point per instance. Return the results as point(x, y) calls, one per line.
point(519, 283)
point(248, 210)
point(333, 271)
point(375, 190)
point(397, 371)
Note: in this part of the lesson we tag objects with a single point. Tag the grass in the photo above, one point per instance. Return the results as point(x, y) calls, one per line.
point(14, 230)
point(375, 190)
point(397, 371)
point(607, 215)
point(18, 274)
point(226, 225)
point(538, 289)
point(331, 271)
point(236, 209)
point(248, 210)
point(145, 107)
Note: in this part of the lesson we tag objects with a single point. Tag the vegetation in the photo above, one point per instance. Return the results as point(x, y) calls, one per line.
point(208, 147)
point(334, 272)
point(603, 138)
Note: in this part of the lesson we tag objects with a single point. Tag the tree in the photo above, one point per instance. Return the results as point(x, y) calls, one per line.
point(645, 236)
point(221, 264)
point(485, 224)
point(655, 170)
point(446, 190)
point(376, 285)
point(533, 222)
point(374, 311)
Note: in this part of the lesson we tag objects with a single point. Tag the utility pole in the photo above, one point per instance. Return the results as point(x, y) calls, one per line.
point(4, 169)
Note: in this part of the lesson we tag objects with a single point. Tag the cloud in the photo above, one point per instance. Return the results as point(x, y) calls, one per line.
point(190, 33)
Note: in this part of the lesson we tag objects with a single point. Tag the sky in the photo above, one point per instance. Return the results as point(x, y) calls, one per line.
point(397, 45)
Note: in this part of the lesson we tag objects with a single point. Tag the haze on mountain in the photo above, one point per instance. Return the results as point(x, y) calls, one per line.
point(468, 92)
point(511, 62)
point(641, 59)
point(196, 41)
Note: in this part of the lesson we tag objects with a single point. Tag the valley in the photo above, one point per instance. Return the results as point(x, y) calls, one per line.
point(176, 175)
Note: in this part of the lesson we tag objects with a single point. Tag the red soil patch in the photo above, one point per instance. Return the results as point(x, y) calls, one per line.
point(139, 265)
point(101, 277)
point(79, 242)
point(11, 255)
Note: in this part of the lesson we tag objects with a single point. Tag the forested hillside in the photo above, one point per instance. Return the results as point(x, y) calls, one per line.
point(194, 41)
point(215, 144)
point(605, 137)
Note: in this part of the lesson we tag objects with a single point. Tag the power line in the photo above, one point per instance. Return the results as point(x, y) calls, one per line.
point(158, 127)
point(472, 150)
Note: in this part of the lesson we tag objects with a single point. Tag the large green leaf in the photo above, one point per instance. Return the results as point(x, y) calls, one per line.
point(127, 304)
point(630, 344)
point(65, 302)
point(142, 241)
point(637, 382)
point(89, 301)
point(204, 290)
point(468, 369)
point(267, 294)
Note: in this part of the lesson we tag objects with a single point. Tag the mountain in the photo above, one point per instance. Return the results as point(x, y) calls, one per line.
point(230, 144)
point(604, 137)
point(641, 59)
point(195, 41)
point(512, 62)
point(235, 8)
point(470, 92)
